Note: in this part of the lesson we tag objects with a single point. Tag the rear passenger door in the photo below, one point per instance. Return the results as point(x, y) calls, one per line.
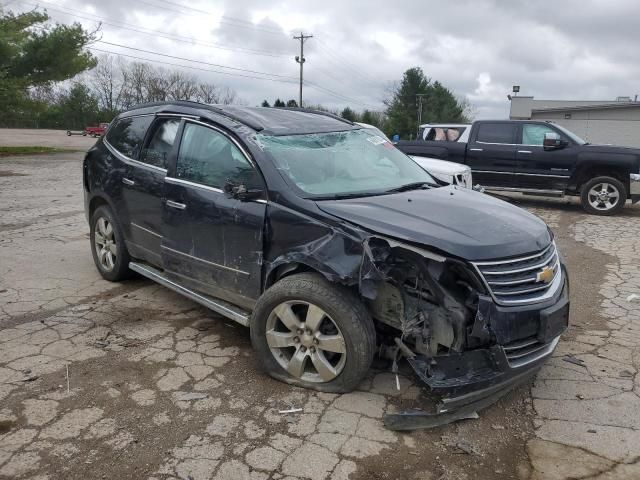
point(491, 154)
point(144, 187)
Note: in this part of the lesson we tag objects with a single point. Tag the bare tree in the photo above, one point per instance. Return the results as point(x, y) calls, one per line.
point(107, 83)
point(228, 96)
point(121, 84)
point(136, 78)
point(159, 83)
point(183, 86)
point(207, 93)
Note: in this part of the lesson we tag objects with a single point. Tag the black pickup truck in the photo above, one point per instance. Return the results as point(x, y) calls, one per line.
point(542, 158)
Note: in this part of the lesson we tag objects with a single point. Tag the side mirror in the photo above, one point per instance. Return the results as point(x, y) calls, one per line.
point(240, 191)
point(552, 141)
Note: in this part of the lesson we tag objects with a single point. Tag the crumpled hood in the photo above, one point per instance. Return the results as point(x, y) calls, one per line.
point(459, 221)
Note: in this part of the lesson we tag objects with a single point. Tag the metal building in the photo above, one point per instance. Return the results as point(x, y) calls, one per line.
point(611, 122)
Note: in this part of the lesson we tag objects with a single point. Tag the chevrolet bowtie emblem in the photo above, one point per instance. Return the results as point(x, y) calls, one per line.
point(545, 275)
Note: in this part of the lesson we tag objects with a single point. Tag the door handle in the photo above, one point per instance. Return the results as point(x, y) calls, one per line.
point(524, 151)
point(172, 204)
point(126, 181)
point(475, 150)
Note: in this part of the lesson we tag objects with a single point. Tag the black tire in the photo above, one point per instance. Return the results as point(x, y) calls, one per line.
point(342, 308)
point(68, 133)
point(120, 266)
point(596, 205)
point(84, 134)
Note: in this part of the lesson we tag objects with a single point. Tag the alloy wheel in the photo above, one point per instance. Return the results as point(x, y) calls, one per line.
point(603, 196)
point(105, 244)
point(306, 342)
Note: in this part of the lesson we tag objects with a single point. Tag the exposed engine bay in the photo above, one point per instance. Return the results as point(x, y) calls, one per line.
point(431, 301)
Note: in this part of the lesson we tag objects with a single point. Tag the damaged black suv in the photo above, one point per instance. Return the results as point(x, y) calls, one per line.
point(330, 245)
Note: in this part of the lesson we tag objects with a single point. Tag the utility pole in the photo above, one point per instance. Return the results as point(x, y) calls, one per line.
point(300, 59)
point(419, 95)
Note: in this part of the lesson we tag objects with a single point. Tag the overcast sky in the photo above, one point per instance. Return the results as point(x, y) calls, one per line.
point(566, 49)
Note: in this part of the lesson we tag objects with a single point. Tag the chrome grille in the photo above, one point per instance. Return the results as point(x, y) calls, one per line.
point(526, 351)
point(516, 281)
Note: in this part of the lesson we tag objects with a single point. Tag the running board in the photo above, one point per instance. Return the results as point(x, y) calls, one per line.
point(528, 191)
point(219, 306)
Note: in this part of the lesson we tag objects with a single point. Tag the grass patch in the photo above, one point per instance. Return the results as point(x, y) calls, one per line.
point(8, 151)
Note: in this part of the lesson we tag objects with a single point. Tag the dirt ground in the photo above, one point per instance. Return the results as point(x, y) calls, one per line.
point(129, 380)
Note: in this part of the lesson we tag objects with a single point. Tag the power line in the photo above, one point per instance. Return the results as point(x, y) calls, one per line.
point(189, 66)
point(155, 33)
point(196, 61)
point(281, 78)
point(338, 95)
point(225, 17)
point(336, 59)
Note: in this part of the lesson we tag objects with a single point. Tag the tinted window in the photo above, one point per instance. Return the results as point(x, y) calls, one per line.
point(127, 135)
point(496, 132)
point(159, 146)
point(533, 134)
point(210, 158)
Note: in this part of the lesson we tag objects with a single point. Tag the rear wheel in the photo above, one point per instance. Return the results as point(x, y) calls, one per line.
point(603, 196)
point(313, 334)
point(107, 246)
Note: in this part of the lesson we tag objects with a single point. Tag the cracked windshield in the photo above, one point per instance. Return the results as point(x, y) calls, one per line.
point(335, 164)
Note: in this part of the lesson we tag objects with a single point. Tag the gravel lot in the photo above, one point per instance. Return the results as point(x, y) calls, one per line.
point(21, 137)
point(158, 387)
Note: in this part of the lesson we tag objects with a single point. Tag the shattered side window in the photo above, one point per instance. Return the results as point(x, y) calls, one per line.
point(341, 163)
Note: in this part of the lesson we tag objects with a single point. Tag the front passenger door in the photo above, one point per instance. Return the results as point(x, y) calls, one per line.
point(211, 241)
point(540, 169)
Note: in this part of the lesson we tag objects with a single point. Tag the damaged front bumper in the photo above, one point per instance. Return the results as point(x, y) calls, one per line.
point(475, 379)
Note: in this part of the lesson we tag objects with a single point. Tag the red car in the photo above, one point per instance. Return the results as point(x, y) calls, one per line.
point(96, 131)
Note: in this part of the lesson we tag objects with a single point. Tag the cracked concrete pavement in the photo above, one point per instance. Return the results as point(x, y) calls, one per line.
point(158, 387)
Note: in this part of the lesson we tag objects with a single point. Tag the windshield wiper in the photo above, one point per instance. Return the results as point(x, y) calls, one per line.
point(343, 196)
point(410, 186)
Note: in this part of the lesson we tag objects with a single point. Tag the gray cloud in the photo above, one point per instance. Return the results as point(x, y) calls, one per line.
point(573, 49)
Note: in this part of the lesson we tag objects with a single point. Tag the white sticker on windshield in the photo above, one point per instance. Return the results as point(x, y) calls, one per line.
point(377, 140)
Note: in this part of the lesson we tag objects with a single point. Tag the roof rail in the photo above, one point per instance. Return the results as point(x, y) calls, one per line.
point(317, 112)
point(256, 126)
point(205, 106)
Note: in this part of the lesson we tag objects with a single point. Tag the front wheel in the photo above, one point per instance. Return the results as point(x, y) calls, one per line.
point(313, 334)
point(107, 246)
point(603, 196)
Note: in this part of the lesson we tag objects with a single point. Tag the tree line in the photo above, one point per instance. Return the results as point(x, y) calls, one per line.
point(48, 79)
